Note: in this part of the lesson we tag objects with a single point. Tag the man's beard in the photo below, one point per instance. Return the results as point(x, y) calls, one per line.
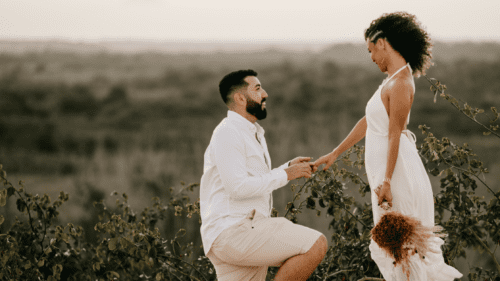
point(255, 108)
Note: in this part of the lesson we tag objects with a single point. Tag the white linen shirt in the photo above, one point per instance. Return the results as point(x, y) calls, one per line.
point(236, 178)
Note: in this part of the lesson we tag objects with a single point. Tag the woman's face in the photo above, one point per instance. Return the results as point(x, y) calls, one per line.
point(377, 54)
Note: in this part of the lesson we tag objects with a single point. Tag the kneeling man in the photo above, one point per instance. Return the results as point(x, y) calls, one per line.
point(239, 236)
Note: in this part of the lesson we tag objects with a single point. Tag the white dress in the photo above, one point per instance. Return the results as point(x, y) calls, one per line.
point(411, 191)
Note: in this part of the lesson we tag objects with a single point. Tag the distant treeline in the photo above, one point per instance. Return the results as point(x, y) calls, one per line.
point(76, 103)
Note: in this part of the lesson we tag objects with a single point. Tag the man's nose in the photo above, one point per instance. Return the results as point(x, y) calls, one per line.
point(265, 95)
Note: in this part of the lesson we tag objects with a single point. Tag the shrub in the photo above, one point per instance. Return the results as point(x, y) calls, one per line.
point(129, 245)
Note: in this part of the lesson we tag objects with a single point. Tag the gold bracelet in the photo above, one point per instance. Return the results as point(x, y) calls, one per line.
point(387, 180)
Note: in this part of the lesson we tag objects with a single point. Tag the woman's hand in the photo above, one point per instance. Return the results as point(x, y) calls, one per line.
point(384, 194)
point(327, 159)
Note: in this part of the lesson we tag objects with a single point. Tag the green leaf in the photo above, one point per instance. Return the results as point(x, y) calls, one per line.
point(434, 172)
point(112, 243)
point(125, 243)
point(3, 197)
point(152, 252)
point(65, 237)
point(336, 214)
point(314, 193)
point(10, 191)
point(5, 257)
point(2, 219)
point(28, 265)
point(21, 206)
point(311, 203)
point(321, 203)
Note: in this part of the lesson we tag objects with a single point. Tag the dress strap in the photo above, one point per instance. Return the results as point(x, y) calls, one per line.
point(388, 79)
point(409, 68)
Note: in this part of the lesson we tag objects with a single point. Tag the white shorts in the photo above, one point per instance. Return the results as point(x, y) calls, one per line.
point(245, 250)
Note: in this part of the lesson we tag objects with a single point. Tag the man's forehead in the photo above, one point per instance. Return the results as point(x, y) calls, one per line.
point(252, 80)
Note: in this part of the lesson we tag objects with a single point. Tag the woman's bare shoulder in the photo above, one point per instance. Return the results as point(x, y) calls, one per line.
point(399, 84)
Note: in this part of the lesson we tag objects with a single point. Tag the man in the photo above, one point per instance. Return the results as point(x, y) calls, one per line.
point(238, 234)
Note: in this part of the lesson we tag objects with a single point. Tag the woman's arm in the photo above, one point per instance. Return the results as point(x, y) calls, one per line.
point(397, 97)
point(356, 134)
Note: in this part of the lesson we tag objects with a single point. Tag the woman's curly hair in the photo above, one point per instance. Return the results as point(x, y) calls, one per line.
point(406, 36)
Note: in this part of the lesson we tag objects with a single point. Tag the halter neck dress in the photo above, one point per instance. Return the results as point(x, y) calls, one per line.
point(411, 191)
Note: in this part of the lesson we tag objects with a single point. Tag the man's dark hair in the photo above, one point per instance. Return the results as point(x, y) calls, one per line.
point(234, 81)
point(406, 36)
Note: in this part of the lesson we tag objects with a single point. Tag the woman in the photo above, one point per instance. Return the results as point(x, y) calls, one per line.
point(400, 48)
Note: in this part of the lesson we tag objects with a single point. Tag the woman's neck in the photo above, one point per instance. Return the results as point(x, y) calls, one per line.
point(396, 62)
point(395, 67)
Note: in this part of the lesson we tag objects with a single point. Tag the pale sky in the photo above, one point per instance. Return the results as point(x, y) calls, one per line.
point(305, 21)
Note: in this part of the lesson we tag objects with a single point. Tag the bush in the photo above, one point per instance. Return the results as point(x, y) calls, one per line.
point(129, 245)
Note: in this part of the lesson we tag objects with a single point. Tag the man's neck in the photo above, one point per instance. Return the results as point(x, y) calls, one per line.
point(245, 114)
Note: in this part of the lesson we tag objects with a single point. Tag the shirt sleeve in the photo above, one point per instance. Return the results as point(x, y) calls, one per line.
point(284, 166)
point(229, 157)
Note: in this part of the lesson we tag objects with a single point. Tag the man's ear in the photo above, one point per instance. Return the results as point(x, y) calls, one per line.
point(239, 98)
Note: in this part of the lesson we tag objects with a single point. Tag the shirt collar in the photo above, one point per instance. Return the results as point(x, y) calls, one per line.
point(244, 123)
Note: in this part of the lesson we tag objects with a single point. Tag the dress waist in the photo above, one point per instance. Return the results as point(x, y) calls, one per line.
point(411, 136)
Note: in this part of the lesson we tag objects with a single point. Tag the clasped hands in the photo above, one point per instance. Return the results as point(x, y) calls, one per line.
point(302, 167)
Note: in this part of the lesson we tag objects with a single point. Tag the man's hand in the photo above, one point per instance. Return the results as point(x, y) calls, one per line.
point(303, 169)
point(327, 159)
point(299, 160)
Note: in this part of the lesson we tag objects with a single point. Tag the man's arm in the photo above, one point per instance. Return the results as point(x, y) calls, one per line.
point(230, 159)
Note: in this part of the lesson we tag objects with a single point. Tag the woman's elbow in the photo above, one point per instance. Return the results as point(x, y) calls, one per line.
point(394, 135)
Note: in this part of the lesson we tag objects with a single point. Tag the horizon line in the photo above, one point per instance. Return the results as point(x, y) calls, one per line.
point(222, 40)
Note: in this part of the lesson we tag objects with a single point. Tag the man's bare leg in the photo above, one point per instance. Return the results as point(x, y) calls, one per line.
point(300, 267)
